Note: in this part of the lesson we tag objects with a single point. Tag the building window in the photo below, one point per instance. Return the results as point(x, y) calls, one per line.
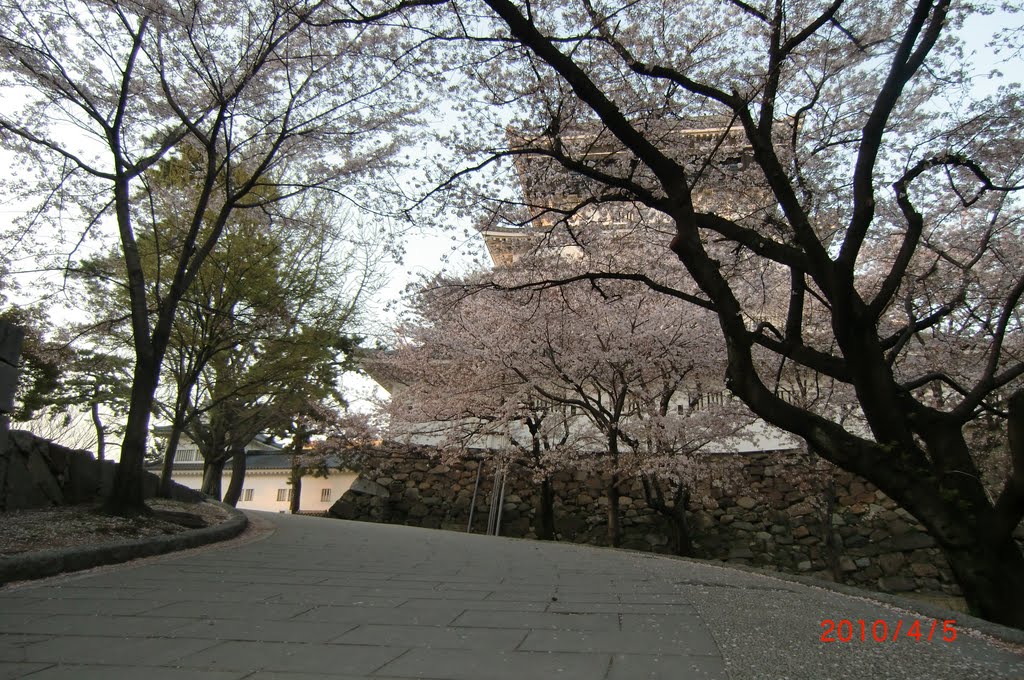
point(247, 494)
point(325, 495)
point(711, 399)
point(187, 454)
point(284, 495)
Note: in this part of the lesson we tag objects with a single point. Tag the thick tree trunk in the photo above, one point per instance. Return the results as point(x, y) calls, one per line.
point(101, 446)
point(238, 465)
point(212, 473)
point(991, 576)
point(832, 549)
point(614, 525)
point(938, 483)
point(101, 432)
point(295, 475)
point(126, 495)
point(296, 499)
point(167, 469)
point(953, 507)
point(974, 535)
point(681, 541)
point(546, 526)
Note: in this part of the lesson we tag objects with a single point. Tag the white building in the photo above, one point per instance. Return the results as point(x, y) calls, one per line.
point(266, 478)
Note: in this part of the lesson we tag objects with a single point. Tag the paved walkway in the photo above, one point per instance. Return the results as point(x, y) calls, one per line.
point(321, 599)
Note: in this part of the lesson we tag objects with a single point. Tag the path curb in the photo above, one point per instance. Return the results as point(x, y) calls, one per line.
point(43, 563)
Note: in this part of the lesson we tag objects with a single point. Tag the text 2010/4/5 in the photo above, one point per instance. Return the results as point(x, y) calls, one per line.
point(845, 630)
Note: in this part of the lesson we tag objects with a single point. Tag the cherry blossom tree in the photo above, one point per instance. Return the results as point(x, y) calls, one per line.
point(605, 378)
point(870, 178)
point(453, 384)
point(632, 368)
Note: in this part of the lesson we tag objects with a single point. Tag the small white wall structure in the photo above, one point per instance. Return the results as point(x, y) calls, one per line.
point(266, 484)
point(269, 490)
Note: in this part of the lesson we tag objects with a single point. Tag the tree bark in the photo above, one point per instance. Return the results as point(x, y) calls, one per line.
point(296, 483)
point(614, 525)
point(954, 509)
point(238, 465)
point(832, 550)
point(989, 573)
point(101, 440)
point(295, 475)
point(681, 541)
point(213, 470)
point(167, 469)
point(126, 495)
point(974, 536)
point(546, 526)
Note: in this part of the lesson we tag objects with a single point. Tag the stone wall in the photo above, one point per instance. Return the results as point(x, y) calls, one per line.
point(777, 510)
point(36, 473)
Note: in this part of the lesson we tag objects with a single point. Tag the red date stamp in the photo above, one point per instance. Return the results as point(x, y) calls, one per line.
point(879, 630)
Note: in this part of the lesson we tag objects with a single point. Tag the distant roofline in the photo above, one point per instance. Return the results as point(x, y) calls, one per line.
point(260, 439)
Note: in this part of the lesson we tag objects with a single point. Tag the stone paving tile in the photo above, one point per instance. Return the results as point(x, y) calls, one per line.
point(73, 672)
point(257, 572)
point(77, 591)
point(435, 637)
point(348, 580)
point(483, 605)
point(83, 649)
point(407, 589)
point(340, 599)
point(394, 590)
point(105, 626)
point(661, 623)
point(450, 587)
point(434, 616)
point(88, 606)
point(647, 667)
point(218, 578)
point(577, 581)
point(469, 579)
point(553, 596)
point(279, 578)
point(265, 611)
point(539, 620)
point(673, 599)
point(454, 664)
point(12, 646)
point(13, 640)
point(9, 670)
point(297, 658)
point(620, 642)
point(260, 631)
point(277, 675)
point(615, 608)
point(107, 580)
point(185, 593)
point(16, 623)
point(200, 579)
